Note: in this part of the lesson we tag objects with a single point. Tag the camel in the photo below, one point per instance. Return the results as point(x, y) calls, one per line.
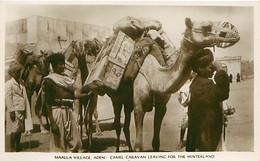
point(82, 50)
point(154, 91)
point(31, 74)
point(147, 91)
point(118, 98)
point(35, 68)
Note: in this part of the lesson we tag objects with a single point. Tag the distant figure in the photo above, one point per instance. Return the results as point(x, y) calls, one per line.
point(238, 77)
point(230, 78)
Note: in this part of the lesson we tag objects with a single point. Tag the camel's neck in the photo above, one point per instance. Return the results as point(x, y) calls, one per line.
point(168, 80)
point(83, 67)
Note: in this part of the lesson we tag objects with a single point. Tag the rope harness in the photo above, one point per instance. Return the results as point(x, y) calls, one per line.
point(214, 43)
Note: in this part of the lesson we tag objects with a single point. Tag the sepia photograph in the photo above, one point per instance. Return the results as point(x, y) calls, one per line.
point(129, 81)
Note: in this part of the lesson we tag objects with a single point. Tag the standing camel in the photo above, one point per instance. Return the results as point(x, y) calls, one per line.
point(147, 91)
point(123, 96)
point(154, 84)
point(36, 67)
point(32, 75)
point(83, 50)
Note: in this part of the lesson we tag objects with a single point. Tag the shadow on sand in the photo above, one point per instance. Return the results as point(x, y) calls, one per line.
point(36, 128)
point(101, 144)
point(30, 144)
point(107, 126)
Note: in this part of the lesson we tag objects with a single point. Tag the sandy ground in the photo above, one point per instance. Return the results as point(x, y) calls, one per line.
point(240, 129)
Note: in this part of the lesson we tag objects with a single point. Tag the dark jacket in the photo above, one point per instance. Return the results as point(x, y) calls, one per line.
point(205, 113)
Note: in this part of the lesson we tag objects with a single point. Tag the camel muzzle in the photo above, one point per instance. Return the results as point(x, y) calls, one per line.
point(226, 34)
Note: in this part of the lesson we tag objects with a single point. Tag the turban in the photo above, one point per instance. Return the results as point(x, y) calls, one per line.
point(203, 58)
point(14, 67)
point(56, 58)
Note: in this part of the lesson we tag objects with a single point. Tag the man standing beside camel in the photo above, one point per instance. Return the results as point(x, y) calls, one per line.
point(59, 94)
point(16, 105)
point(205, 113)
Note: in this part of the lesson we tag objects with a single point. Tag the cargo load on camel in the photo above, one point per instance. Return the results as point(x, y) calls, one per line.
point(124, 53)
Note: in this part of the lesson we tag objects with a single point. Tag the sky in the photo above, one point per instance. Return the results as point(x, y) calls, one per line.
point(172, 19)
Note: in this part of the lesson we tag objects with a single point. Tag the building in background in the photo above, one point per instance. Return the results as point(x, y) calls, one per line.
point(247, 69)
point(41, 33)
point(233, 64)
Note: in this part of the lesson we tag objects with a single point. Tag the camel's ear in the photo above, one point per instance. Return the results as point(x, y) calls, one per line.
point(42, 52)
point(188, 23)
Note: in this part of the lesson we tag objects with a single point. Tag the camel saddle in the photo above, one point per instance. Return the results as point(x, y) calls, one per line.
point(108, 68)
point(121, 59)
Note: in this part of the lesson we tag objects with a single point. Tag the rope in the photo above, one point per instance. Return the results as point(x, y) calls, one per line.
point(141, 71)
point(187, 39)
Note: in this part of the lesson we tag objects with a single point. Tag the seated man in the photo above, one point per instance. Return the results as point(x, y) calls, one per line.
point(204, 112)
point(59, 94)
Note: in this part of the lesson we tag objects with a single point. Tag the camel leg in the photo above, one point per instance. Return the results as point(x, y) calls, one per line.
point(47, 122)
point(160, 110)
point(98, 130)
point(89, 123)
point(43, 130)
point(139, 118)
point(142, 100)
point(158, 117)
point(127, 109)
point(117, 123)
point(80, 121)
point(86, 122)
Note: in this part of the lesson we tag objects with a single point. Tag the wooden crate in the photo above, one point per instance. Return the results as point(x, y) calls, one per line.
point(108, 69)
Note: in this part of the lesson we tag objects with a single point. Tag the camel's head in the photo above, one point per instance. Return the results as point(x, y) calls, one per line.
point(87, 47)
point(209, 34)
point(92, 47)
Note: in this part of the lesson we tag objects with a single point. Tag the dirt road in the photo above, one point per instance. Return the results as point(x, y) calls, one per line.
point(240, 129)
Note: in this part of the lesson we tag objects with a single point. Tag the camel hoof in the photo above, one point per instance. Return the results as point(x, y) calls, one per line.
point(138, 149)
point(44, 132)
point(83, 151)
point(181, 145)
point(156, 150)
point(98, 133)
point(27, 133)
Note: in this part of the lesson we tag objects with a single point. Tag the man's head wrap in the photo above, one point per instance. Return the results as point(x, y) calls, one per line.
point(14, 68)
point(203, 58)
point(56, 58)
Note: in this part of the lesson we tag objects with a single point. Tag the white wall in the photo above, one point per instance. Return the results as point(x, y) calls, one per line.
point(44, 31)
